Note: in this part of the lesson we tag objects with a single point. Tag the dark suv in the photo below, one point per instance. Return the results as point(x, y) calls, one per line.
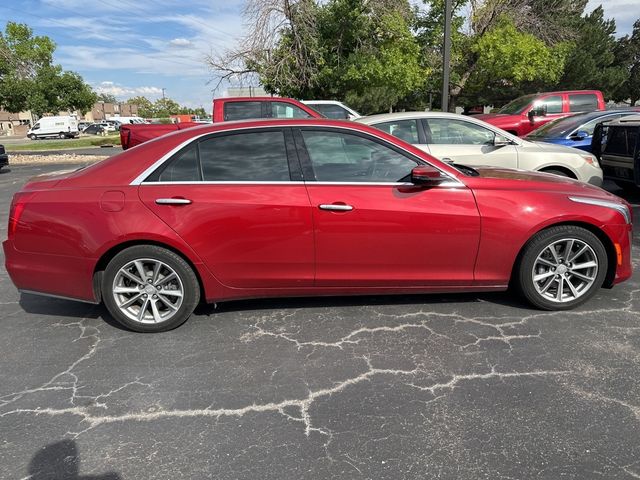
point(617, 147)
point(4, 158)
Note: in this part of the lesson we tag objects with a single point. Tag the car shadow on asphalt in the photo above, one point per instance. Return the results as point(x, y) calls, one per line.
point(61, 460)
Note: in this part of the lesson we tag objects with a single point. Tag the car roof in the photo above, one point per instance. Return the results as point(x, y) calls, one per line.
point(388, 117)
point(628, 120)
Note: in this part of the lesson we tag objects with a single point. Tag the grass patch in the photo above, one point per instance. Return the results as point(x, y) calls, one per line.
point(65, 144)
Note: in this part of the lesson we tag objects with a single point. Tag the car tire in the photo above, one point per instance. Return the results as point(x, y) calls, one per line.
point(33, 136)
point(566, 279)
point(627, 187)
point(61, 136)
point(162, 300)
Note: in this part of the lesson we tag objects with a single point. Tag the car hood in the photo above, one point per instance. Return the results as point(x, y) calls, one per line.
point(548, 147)
point(512, 179)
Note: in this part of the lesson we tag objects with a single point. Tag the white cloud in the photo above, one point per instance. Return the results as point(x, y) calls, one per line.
point(180, 42)
point(122, 92)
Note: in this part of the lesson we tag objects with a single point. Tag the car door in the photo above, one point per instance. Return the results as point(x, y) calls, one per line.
point(234, 198)
point(372, 228)
point(468, 143)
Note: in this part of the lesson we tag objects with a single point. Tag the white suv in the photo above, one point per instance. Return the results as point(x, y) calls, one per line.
point(469, 141)
point(332, 109)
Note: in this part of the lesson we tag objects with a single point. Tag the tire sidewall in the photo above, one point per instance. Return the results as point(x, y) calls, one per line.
point(538, 243)
point(180, 266)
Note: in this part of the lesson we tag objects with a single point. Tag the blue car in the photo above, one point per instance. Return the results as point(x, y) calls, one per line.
point(577, 130)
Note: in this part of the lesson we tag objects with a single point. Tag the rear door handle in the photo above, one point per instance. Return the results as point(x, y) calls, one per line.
point(173, 201)
point(336, 207)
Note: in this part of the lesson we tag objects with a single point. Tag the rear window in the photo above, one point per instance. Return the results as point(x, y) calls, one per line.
point(242, 110)
point(330, 110)
point(287, 110)
point(583, 102)
point(621, 141)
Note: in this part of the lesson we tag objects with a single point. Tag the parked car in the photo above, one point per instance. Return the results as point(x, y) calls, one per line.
point(109, 126)
point(577, 130)
point(61, 127)
point(618, 148)
point(333, 109)
point(4, 158)
point(224, 109)
point(526, 113)
point(467, 140)
point(305, 207)
point(83, 125)
point(94, 129)
point(129, 120)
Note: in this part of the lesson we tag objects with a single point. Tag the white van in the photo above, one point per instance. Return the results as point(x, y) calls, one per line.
point(61, 127)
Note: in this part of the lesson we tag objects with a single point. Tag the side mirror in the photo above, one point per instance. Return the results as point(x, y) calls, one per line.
point(579, 135)
point(427, 175)
point(537, 111)
point(500, 141)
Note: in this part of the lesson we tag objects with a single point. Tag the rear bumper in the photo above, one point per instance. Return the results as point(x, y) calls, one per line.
point(4, 160)
point(55, 275)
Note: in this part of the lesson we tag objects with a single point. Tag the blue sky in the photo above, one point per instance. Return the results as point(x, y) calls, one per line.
point(139, 47)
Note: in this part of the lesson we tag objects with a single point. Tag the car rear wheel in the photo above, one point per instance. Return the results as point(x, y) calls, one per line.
point(561, 267)
point(150, 289)
point(33, 136)
point(61, 135)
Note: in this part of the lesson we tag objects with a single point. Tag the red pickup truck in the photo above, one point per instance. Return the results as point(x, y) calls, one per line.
point(224, 109)
point(526, 113)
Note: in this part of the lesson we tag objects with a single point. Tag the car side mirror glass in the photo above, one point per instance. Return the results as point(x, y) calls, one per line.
point(427, 175)
point(537, 111)
point(500, 141)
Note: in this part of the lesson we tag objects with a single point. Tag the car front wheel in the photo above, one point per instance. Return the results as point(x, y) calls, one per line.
point(150, 289)
point(561, 267)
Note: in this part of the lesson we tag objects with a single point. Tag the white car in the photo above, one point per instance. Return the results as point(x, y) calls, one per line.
point(468, 141)
point(333, 109)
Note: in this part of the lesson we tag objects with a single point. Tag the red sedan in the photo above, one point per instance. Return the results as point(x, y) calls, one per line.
point(305, 207)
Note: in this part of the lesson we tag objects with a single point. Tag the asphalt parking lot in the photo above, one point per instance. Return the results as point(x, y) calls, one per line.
point(441, 386)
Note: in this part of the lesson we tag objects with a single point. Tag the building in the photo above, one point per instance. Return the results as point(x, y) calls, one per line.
point(105, 111)
point(14, 123)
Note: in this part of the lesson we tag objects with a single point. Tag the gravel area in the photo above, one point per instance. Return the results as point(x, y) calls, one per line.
point(22, 159)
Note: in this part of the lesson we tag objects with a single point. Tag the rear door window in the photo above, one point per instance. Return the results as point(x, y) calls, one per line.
point(406, 130)
point(286, 110)
point(621, 141)
point(242, 110)
point(583, 102)
point(330, 110)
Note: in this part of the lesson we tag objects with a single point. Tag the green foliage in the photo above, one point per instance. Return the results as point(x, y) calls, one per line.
point(514, 56)
point(107, 98)
point(29, 80)
point(357, 50)
point(628, 56)
point(162, 108)
point(145, 106)
point(591, 62)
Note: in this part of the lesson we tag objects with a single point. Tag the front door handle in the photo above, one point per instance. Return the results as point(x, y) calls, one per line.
point(173, 201)
point(336, 207)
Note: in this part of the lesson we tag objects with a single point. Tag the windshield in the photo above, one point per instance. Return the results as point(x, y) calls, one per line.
point(517, 106)
point(564, 126)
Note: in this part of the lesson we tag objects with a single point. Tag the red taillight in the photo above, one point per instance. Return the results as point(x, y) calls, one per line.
point(17, 207)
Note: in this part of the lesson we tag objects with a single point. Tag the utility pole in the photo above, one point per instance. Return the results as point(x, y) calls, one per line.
point(163, 93)
point(446, 56)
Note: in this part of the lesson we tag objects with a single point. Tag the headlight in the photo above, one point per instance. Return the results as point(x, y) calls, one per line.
point(591, 160)
point(623, 209)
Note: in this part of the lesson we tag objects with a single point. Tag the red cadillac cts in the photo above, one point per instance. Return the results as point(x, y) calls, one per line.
point(305, 207)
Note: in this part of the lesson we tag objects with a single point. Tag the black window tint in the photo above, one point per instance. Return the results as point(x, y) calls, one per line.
point(242, 110)
point(406, 130)
point(331, 111)
point(621, 141)
point(343, 157)
point(553, 103)
point(583, 102)
point(183, 167)
point(287, 110)
point(251, 156)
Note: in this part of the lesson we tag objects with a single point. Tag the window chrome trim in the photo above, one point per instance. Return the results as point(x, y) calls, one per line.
point(139, 180)
point(449, 183)
point(619, 207)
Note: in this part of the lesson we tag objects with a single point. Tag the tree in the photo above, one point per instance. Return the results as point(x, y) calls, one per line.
point(535, 32)
point(29, 80)
point(359, 50)
point(628, 55)
point(107, 98)
point(163, 107)
point(145, 106)
point(591, 61)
